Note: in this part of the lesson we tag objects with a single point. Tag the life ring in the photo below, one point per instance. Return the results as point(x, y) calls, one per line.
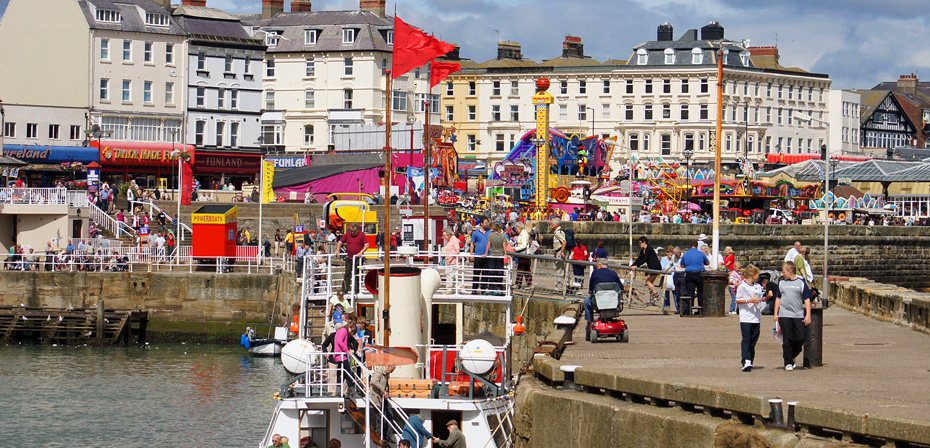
point(831, 215)
point(842, 217)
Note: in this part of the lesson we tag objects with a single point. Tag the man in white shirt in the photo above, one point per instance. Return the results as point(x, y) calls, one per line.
point(793, 252)
point(160, 246)
point(523, 264)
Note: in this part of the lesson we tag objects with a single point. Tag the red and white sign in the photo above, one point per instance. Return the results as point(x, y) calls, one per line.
point(141, 153)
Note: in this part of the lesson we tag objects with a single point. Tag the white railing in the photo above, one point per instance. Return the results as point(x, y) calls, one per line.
point(108, 222)
point(97, 243)
point(136, 259)
point(459, 279)
point(154, 210)
point(35, 196)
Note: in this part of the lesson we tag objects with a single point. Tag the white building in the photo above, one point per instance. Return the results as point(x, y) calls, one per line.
point(660, 101)
point(324, 71)
point(843, 106)
point(224, 94)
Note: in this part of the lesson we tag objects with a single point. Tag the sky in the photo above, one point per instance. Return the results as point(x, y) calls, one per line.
point(859, 43)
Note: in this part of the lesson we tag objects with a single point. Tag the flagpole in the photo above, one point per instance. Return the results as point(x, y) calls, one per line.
point(386, 294)
point(427, 164)
point(261, 199)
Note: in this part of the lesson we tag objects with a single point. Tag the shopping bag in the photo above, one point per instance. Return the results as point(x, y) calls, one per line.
point(776, 332)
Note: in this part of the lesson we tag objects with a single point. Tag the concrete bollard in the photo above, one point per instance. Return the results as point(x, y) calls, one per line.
point(813, 343)
point(569, 383)
point(716, 296)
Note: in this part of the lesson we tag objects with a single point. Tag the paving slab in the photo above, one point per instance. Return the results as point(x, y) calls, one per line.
point(869, 366)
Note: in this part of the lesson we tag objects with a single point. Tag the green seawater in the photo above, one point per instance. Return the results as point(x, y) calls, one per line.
point(169, 395)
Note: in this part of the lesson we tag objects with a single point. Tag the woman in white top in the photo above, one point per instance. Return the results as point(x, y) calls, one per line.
point(748, 298)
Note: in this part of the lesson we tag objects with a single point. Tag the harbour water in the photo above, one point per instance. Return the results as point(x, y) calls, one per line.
point(169, 395)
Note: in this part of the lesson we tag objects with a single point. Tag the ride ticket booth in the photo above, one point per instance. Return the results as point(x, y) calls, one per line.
point(214, 237)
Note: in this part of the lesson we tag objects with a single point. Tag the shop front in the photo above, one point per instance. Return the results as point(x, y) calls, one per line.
point(215, 169)
point(48, 164)
point(152, 165)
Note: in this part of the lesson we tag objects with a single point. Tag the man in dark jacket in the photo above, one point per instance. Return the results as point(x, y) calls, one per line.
point(647, 256)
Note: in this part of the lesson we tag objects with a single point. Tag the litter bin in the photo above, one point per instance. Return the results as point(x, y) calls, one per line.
point(813, 343)
point(715, 293)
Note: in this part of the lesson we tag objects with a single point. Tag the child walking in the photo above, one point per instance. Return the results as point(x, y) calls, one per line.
point(748, 296)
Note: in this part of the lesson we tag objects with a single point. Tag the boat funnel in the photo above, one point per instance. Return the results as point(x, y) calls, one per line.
point(409, 314)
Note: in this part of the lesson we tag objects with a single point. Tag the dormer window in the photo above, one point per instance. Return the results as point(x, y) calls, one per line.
point(390, 38)
point(108, 15)
point(641, 56)
point(697, 56)
point(669, 56)
point(726, 54)
point(155, 19)
point(271, 38)
point(348, 35)
point(310, 37)
point(744, 58)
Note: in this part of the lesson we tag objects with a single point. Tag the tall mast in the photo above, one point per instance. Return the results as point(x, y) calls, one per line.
point(386, 294)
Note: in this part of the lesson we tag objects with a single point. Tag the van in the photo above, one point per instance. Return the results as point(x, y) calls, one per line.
point(780, 214)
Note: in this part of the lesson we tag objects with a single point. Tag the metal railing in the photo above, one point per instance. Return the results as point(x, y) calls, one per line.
point(34, 196)
point(142, 259)
point(153, 210)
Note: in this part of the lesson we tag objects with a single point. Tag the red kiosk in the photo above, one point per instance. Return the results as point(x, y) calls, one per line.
point(215, 228)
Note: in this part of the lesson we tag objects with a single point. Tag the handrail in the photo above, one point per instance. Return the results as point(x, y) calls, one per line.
point(110, 223)
point(159, 209)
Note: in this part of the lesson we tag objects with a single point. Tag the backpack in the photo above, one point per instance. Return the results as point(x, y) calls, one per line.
point(569, 239)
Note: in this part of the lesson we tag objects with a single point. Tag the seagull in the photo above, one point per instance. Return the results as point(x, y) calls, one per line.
point(48, 318)
point(87, 335)
point(22, 305)
point(61, 319)
point(106, 320)
point(24, 318)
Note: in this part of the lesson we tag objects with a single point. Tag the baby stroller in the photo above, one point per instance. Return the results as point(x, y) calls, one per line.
point(607, 307)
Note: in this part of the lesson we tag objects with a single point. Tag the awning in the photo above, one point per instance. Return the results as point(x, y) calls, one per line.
point(11, 161)
point(52, 154)
point(790, 159)
point(875, 211)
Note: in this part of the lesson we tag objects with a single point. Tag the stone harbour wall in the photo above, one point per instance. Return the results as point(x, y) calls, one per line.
point(205, 305)
point(888, 303)
point(890, 254)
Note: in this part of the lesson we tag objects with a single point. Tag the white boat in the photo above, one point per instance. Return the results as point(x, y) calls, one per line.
point(469, 382)
point(264, 346)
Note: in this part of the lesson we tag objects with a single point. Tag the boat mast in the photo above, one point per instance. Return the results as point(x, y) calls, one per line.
point(385, 294)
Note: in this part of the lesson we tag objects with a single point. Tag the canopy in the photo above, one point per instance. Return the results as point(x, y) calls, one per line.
point(377, 355)
point(323, 180)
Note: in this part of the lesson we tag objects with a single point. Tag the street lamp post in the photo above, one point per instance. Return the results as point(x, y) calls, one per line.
point(688, 153)
point(826, 192)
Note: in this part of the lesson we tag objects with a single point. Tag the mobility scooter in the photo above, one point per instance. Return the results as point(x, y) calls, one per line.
point(608, 304)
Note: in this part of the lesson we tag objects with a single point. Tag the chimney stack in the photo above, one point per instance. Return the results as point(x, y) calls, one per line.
point(271, 7)
point(373, 6)
point(712, 31)
point(572, 47)
point(509, 50)
point(454, 54)
point(907, 84)
point(664, 33)
point(191, 2)
point(301, 6)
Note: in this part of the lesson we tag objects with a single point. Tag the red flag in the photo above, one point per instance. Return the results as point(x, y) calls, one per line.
point(187, 183)
point(440, 71)
point(413, 48)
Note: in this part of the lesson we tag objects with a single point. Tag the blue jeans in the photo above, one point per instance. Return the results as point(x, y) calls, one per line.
point(732, 300)
point(589, 308)
point(670, 295)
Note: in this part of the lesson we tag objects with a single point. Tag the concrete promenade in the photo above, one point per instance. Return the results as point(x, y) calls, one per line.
point(869, 366)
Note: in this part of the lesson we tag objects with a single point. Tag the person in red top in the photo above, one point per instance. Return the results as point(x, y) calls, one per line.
point(580, 253)
point(729, 258)
point(356, 243)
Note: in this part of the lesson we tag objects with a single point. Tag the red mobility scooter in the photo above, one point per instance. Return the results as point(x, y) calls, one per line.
point(608, 304)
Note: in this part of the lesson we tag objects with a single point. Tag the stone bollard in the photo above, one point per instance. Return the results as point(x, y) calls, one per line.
point(813, 342)
point(715, 294)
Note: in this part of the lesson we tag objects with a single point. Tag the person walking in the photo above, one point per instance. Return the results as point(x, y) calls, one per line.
point(748, 297)
point(523, 263)
point(679, 277)
point(647, 256)
point(729, 258)
point(415, 432)
point(579, 253)
point(694, 262)
point(288, 244)
point(668, 282)
point(451, 251)
point(559, 243)
point(495, 256)
point(792, 313)
point(479, 250)
point(455, 440)
point(356, 243)
point(600, 251)
point(734, 281)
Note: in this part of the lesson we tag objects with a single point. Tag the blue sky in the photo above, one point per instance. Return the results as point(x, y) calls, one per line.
point(857, 42)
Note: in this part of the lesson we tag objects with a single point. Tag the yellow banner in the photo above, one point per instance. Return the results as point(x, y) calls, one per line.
point(267, 179)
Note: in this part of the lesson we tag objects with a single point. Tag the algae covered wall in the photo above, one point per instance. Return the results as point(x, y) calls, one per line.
point(205, 305)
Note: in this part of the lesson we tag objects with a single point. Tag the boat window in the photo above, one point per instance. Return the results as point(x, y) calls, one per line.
point(313, 423)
